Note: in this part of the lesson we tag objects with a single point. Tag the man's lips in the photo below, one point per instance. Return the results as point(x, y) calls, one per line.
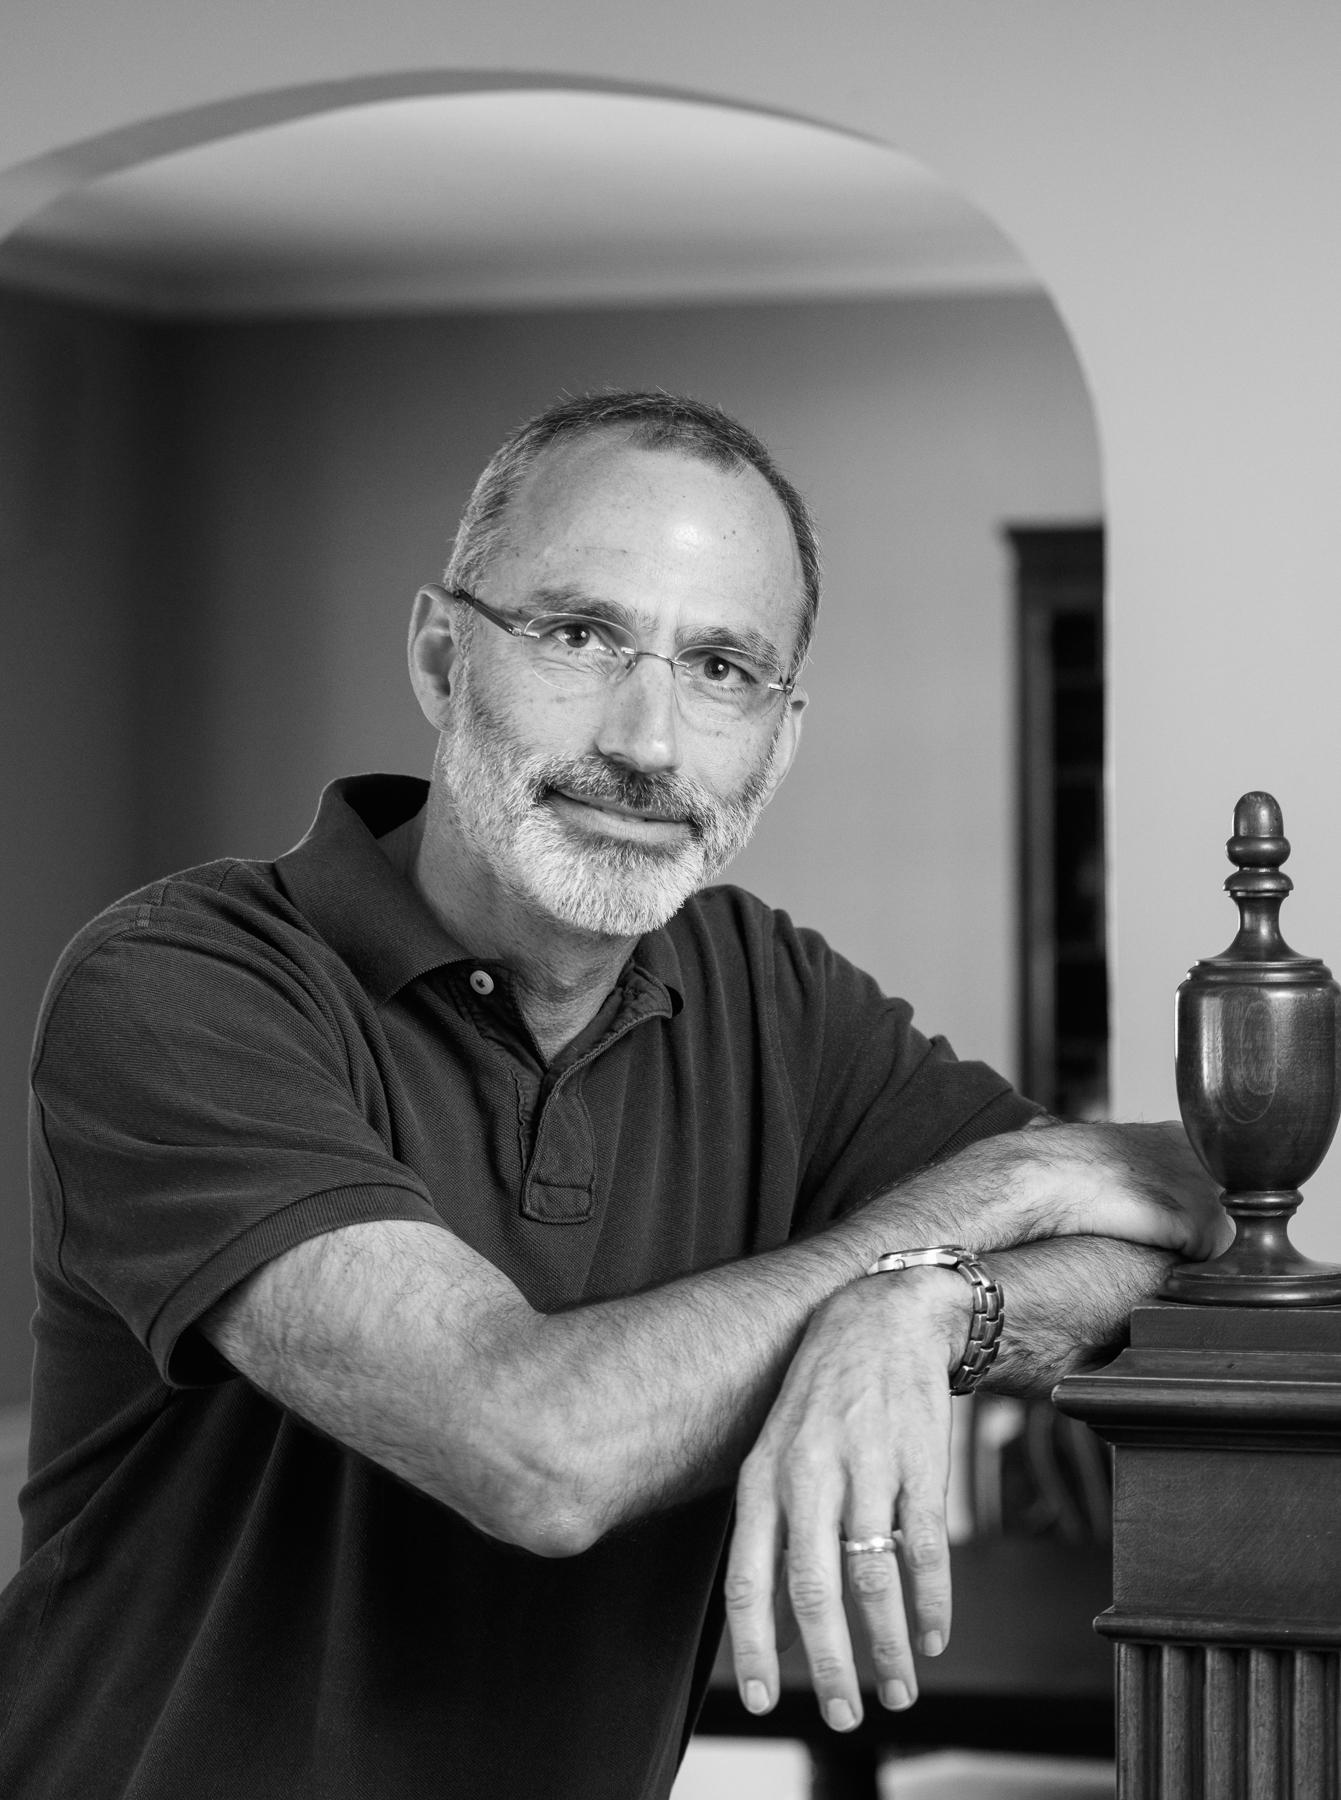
point(617, 820)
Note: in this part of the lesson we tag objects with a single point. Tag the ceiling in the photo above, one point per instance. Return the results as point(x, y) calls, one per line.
point(511, 199)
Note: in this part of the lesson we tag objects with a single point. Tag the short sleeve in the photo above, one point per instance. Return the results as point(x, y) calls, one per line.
point(877, 1098)
point(200, 1107)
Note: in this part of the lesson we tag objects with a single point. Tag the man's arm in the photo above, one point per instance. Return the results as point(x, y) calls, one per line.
point(857, 1445)
point(405, 1345)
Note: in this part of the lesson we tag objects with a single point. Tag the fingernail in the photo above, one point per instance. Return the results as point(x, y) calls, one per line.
point(839, 1715)
point(756, 1697)
point(895, 1696)
point(933, 1643)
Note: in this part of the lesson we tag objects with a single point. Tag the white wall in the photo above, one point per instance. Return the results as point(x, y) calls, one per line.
point(1171, 174)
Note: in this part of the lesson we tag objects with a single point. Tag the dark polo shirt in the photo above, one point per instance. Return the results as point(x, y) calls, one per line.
point(217, 1600)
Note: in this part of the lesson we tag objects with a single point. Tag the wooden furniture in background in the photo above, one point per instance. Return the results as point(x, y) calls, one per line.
point(1225, 1412)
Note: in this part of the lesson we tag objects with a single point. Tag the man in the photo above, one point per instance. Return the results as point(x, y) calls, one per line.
point(426, 1222)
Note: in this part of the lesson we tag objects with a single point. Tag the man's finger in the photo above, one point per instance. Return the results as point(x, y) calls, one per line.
point(873, 1580)
point(815, 1589)
point(751, 1575)
point(926, 1560)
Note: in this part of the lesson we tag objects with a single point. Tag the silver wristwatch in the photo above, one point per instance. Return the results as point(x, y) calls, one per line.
point(984, 1338)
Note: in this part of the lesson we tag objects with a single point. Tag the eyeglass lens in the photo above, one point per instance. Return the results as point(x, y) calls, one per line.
point(580, 654)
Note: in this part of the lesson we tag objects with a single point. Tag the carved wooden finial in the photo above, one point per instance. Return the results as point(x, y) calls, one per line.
point(1259, 1082)
point(1258, 848)
point(1259, 839)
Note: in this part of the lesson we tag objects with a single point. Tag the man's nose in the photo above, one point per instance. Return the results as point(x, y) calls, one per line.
point(640, 726)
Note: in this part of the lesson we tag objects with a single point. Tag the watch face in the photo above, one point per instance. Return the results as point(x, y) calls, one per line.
point(944, 1255)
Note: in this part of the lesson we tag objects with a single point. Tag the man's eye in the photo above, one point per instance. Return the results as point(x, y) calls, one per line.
point(575, 635)
point(716, 669)
point(572, 635)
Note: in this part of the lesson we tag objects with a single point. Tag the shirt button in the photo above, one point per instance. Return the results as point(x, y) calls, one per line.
point(482, 981)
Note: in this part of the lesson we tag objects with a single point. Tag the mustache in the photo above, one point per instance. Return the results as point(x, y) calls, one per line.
point(661, 796)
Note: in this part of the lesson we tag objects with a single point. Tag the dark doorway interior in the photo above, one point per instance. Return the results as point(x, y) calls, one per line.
point(1059, 581)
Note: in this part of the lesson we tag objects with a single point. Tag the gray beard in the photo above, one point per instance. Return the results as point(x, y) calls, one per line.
point(609, 887)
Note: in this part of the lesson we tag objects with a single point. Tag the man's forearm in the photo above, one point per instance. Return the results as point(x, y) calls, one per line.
point(1069, 1296)
point(549, 1430)
point(1068, 1302)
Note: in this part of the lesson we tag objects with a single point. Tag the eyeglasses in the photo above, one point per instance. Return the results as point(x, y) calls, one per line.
point(714, 683)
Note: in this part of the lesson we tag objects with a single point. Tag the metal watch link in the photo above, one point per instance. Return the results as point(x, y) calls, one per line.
point(984, 1338)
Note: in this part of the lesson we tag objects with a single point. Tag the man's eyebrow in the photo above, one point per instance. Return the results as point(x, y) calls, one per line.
point(569, 597)
point(723, 637)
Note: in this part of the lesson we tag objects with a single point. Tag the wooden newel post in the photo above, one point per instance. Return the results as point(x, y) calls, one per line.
point(1225, 1411)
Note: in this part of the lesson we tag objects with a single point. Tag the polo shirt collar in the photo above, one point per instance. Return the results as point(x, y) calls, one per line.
point(344, 884)
point(656, 961)
point(372, 917)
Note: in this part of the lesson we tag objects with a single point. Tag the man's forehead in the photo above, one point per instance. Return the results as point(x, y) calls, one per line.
point(574, 468)
point(604, 492)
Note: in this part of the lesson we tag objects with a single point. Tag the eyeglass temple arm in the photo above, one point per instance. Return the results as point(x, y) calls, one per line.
point(439, 592)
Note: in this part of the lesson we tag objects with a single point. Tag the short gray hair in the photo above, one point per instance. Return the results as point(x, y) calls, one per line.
point(653, 420)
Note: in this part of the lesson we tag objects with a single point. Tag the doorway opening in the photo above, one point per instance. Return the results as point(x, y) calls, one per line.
point(1063, 964)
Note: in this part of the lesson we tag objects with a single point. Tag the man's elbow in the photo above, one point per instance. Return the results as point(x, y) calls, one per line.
point(557, 1533)
point(541, 1505)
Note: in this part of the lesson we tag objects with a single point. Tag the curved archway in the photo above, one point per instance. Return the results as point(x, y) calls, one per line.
point(28, 187)
point(410, 199)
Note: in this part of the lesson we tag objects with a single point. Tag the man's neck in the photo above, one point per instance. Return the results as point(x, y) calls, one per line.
point(561, 976)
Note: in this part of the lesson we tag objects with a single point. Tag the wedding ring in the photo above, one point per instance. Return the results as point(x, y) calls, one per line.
point(862, 1546)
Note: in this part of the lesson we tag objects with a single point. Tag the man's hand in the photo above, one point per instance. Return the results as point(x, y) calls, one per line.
point(856, 1446)
point(1141, 1183)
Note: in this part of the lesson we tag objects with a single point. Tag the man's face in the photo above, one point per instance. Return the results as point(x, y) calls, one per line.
point(604, 811)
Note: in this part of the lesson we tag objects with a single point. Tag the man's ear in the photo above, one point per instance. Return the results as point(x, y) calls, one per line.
point(433, 650)
point(788, 743)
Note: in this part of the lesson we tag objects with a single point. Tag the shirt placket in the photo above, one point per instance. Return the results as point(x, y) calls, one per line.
point(560, 1182)
point(560, 1153)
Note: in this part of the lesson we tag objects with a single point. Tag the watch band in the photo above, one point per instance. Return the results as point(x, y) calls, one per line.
point(989, 1306)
